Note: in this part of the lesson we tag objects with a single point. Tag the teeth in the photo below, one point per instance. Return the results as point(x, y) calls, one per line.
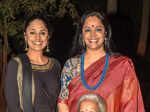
point(93, 40)
point(37, 43)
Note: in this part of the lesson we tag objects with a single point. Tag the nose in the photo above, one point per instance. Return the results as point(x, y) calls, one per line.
point(38, 37)
point(93, 33)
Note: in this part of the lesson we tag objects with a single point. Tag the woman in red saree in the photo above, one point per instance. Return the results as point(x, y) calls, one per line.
point(96, 69)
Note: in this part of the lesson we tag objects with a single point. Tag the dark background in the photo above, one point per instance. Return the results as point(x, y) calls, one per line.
point(126, 24)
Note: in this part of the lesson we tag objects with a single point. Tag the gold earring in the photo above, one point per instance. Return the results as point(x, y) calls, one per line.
point(26, 46)
point(83, 43)
point(47, 49)
point(105, 41)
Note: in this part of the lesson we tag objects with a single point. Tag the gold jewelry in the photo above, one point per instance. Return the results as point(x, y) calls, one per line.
point(47, 49)
point(83, 43)
point(26, 46)
point(105, 33)
point(105, 41)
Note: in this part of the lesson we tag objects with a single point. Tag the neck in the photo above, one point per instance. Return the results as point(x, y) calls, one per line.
point(35, 57)
point(94, 54)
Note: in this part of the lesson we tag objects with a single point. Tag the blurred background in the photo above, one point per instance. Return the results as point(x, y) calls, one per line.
point(130, 21)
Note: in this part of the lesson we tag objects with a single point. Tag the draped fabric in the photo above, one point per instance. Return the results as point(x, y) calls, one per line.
point(120, 88)
point(45, 91)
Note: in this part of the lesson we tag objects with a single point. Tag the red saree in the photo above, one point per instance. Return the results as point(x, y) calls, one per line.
point(120, 88)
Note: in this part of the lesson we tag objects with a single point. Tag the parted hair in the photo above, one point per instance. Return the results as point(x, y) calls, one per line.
point(78, 47)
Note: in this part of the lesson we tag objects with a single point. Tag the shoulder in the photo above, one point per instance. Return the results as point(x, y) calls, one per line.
point(123, 60)
point(17, 59)
point(123, 65)
point(55, 63)
point(12, 67)
point(73, 61)
point(13, 62)
point(71, 67)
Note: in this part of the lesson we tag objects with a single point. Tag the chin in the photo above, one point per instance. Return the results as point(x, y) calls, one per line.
point(95, 48)
point(37, 49)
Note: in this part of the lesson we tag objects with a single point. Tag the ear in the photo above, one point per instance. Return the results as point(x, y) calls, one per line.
point(105, 33)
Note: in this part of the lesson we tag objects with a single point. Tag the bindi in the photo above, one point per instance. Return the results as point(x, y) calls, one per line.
point(93, 25)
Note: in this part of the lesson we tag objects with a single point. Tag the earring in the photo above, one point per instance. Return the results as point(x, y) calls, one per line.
point(47, 49)
point(83, 42)
point(26, 46)
point(105, 33)
point(105, 41)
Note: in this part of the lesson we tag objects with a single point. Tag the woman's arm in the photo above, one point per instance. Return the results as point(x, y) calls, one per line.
point(62, 107)
point(11, 87)
point(131, 100)
point(66, 77)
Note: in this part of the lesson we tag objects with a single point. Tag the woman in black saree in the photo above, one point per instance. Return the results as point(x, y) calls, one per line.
point(32, 79)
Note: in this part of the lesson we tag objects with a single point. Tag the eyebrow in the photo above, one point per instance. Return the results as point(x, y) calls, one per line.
point(44, 30)
point(92, 25)
point(40, 30)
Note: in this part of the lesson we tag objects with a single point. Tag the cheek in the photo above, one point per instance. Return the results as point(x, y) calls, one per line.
point(102, 36)
point(85, 35)
point(29, 40)
point(45, 42)
point(44, 39)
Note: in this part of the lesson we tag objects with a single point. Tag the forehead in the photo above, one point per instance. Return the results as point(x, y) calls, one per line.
point(92, 21)
point(37, 23)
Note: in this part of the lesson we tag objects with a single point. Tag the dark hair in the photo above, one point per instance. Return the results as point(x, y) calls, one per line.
point(45, 21)
point(42, 18)
point(78, 47)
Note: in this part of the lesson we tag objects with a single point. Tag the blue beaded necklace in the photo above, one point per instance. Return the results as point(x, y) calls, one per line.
point(103, 73)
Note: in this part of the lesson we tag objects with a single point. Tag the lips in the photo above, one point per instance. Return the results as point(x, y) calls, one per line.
point(93, 41)
point(37, 43)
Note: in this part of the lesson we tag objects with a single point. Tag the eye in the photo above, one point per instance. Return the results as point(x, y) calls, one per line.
point(32, 32)
point(43, 33)
point(99, 29)
point(87, 30)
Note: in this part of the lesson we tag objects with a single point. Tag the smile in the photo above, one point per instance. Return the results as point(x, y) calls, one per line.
point(93, 41)
point(37, 43)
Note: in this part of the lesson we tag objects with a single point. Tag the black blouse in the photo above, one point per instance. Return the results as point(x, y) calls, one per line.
point(47, 86)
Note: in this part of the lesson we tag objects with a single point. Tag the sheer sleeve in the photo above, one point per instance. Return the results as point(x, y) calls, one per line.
point(65, 79)
point(131, 100)
point(11, 88)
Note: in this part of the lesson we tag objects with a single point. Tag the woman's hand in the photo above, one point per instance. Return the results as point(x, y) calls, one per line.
point(62, 107)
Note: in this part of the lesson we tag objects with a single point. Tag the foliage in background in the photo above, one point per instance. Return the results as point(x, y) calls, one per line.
point(17, 10)
point(12, 17)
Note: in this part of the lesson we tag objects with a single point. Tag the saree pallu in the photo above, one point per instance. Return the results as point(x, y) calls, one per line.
point(120, 88)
